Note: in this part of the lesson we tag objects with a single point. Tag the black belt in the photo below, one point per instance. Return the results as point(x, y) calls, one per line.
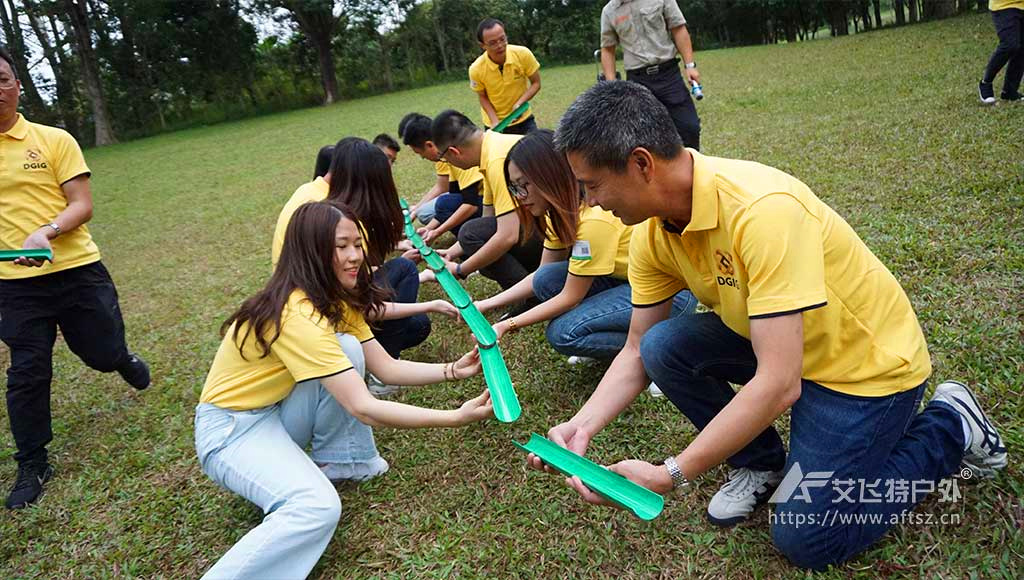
point(656, 69)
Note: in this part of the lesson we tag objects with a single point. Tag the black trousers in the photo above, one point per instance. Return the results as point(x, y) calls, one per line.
point(82, 302)
point(509, 269)
point(527, 126)
point(669, 88)
point(1009, 23)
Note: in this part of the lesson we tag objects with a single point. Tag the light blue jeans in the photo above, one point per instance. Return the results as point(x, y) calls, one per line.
point(259, 455)
point(598, 326)
point(426, 211)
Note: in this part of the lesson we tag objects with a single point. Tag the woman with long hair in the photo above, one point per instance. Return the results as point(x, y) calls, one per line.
point(360, 177)
point(582, 281)
point(289, 373)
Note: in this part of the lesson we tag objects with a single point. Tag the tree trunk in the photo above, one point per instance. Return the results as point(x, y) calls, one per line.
point(54, 55)
point(19, 53)
point(912, 4)
point(865, 14)
point(897, 7)
point(318, 24)
point(440, 34)
point(90, 72)
point(878, 13)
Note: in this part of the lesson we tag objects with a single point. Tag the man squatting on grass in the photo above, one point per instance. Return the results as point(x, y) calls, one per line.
point(494, 244)
point(45, 201)
point(805, 318)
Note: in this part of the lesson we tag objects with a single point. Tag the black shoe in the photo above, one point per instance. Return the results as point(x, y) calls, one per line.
point(986, 93)
point(1011, 96)
point(29, 485)
point(135, 372)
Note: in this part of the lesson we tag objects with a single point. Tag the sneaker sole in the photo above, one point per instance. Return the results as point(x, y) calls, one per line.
point(982, 471)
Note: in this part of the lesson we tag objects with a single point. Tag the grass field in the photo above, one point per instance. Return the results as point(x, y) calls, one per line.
point(884, 126)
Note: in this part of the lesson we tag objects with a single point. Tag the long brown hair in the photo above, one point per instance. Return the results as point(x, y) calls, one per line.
point(361, 179)
point(551, 176)
point(306, 264)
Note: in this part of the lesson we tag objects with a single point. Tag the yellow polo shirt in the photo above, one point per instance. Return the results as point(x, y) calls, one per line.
point(35, 161)
point(315, 190)
point(465, 177)
point(601, 247)
point(307, 348)
point(504, 85)
point(443, 168)
point(493, 151)
point(761, 244)
point(994, 5)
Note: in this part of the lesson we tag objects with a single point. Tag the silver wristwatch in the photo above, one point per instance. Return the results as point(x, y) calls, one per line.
point(54, 227)
point(678, 479)
point(690, 65)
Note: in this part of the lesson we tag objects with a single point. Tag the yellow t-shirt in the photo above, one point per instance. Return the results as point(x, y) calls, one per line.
point(315, 190)
point(994, 5)
point(443, 168)
point(465, 177)
point(493, 151)
point(35, 161)
point(307, 348)
point(760, 243)
point(504, 86)
point(601, 247)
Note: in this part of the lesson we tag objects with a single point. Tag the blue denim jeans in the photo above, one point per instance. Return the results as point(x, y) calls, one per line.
point(445, 206)
point(259, 455)
point(598, 326)
point(860, 439)
point(426, 212)
point(401, 276)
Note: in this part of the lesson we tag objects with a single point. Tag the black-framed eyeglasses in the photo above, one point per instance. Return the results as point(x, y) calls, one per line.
point(497, 42)
point(518, 190)
point(443, 153)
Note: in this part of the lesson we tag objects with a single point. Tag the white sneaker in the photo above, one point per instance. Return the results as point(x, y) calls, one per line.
point(378, 388)
point(362, 471)
point(427, 275)
point(655, 391)
point(581, 360)
point(745, 490)
point(986, 453)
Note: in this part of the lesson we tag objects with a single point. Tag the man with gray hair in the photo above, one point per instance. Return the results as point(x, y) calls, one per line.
point(804, 317)
point(651, 32)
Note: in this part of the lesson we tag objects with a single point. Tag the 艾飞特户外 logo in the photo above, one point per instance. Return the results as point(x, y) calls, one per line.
point(723, 260)
point(34, 160)
point(797, 486)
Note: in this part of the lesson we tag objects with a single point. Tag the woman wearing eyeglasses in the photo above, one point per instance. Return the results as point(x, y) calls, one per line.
point(293, 358)
point(582, 281)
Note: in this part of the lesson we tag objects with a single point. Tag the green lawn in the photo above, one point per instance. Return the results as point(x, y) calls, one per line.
point(885, 127)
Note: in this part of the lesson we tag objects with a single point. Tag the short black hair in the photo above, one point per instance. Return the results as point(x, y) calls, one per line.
point(451, 127)
point(414, 129)
point(609, 120)
point(4, 54)
point(387, 141)
point(323, 161)
point(487, 24)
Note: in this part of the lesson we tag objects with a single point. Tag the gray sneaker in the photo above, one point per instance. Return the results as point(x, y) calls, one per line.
point(987, 452)
point(378, 388)
point(737, 499)
point(364, 471)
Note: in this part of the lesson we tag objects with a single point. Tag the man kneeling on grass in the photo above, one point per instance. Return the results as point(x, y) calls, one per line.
point(804, 316)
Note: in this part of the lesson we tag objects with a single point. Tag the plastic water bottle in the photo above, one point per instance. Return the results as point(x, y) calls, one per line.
point(696, 90)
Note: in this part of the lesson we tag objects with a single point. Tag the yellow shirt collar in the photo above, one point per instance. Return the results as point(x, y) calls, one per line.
point(20, 129)
point(704, 194)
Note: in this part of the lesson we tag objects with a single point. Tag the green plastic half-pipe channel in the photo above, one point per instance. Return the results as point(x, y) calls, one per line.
point(460, 298)
point(644, 503)
point(482, 330)
point(403, 203)
point(12, 255)
point(499, 383)
point(435, 261)
point(511, 117)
